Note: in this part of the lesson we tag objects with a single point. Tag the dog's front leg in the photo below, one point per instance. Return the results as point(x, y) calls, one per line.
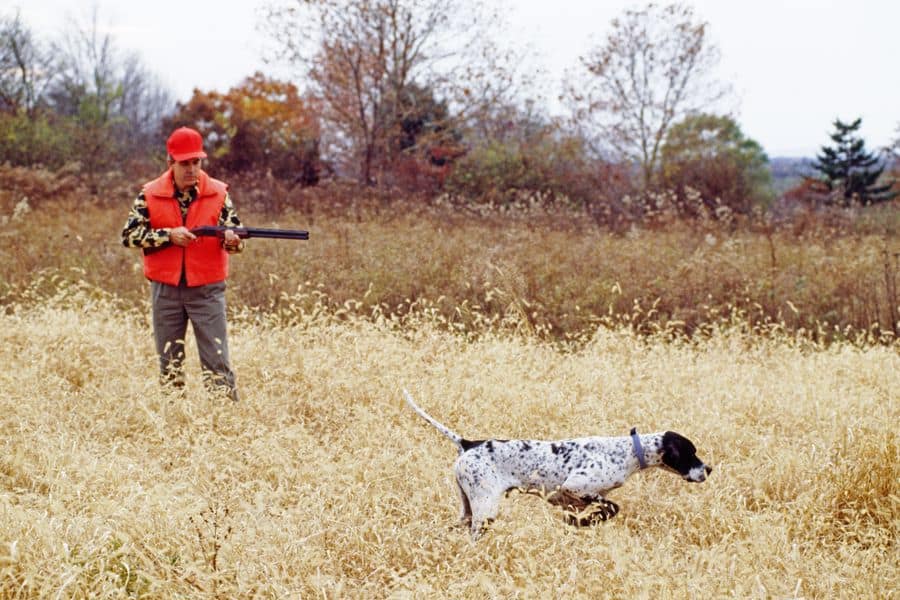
point(578, 510)
point(582, 512)
point(568, 500)
point(584, 502)
point(601, 510)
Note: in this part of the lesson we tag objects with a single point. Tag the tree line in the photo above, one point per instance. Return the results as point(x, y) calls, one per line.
point(417, 95)
point(75, 99)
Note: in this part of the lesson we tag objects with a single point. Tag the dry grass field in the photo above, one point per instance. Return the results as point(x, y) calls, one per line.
point(321, 483)
point(836, 275)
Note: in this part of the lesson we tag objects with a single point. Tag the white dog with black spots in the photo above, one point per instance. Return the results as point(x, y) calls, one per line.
point(574, 473)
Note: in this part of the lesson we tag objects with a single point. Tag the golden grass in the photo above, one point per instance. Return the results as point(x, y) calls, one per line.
point(322, 483)
point(557, 270)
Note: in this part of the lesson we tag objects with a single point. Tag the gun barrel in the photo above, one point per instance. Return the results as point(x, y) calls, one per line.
point(281, 234)
point(253, 232)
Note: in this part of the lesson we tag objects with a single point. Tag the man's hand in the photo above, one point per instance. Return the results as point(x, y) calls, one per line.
point(231, 240)
point(181, 236)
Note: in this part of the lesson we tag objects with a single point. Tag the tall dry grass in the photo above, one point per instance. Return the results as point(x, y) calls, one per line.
point(322, 483)
point(557, 274)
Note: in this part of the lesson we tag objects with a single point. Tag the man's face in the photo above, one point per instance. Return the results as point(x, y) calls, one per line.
point(185, 172)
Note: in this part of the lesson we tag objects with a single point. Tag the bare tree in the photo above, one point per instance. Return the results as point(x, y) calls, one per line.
point(144, 103)
point(26, 67)
point(88, 67)
point(368, 61)
point(87, 91)
point(654, 68)
point(116, 103)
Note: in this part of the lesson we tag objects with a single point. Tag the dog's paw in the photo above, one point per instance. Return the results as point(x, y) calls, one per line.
point(608, 508)
point(584, 518)
point(597, 512)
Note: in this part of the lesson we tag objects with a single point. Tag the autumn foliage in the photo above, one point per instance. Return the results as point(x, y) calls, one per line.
point(263, 123)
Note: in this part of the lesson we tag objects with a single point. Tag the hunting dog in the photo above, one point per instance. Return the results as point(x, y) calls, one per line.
point(574, 474)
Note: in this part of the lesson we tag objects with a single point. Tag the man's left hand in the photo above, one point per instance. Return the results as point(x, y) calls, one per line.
point(231, 240)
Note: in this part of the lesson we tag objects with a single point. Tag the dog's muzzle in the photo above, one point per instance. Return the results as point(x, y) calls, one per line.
point(698, 474)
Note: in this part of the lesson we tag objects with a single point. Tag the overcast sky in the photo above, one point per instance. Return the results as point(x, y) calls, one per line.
point(794, 65)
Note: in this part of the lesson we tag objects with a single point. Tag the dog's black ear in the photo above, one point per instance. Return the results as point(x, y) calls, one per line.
point(671, 445)
point(679, 453)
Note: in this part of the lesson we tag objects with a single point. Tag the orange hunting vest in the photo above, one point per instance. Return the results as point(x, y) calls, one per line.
point(204, 260)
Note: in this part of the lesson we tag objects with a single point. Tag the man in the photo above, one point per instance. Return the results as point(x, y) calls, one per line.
point(187, 273)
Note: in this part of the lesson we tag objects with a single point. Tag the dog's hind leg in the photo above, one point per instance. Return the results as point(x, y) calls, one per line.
point(465, 511)
point(485, 508)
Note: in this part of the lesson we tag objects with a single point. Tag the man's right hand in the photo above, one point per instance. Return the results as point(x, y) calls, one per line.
point(181, 236)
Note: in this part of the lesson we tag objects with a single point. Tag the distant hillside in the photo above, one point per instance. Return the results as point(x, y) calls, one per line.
point(788, 172)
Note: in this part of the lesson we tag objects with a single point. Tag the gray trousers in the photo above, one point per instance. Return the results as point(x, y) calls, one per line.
point(204, 306)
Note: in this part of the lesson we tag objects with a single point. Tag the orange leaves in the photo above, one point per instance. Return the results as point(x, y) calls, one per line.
point(262, 124)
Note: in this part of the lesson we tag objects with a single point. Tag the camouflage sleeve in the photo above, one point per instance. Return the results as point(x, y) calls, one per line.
point(137, 232)
point(229, 218)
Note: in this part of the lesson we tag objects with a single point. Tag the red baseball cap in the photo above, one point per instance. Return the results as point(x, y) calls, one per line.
point(184, 144)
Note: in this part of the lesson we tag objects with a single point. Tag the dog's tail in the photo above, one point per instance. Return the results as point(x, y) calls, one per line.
point(456, 438)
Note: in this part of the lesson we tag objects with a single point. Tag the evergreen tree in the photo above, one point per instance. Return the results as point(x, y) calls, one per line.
point(851, 172)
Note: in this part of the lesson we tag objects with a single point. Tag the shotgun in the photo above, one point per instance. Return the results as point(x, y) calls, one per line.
point(243, 233)
point(252, 232)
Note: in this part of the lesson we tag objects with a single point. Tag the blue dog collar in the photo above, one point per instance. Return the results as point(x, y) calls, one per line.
point(638, 449)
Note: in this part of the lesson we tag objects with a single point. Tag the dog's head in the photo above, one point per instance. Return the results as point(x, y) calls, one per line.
point(680, 455)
